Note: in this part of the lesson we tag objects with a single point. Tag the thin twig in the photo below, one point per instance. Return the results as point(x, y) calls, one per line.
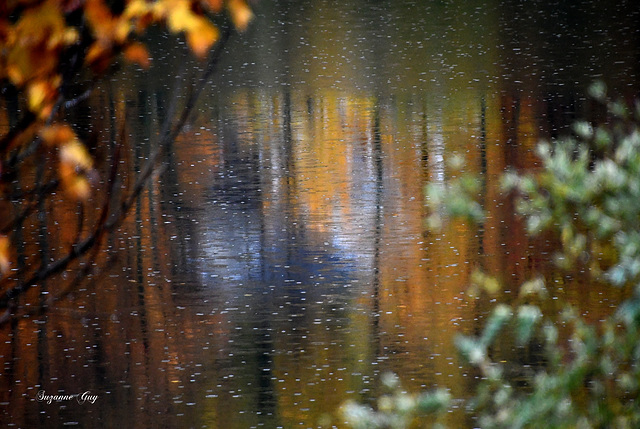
point(32, 205)
point(106, 224)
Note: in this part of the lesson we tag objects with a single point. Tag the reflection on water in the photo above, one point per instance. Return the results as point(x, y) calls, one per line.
point(280, 263)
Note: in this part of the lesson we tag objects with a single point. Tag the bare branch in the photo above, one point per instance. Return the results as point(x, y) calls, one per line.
point(108, 223)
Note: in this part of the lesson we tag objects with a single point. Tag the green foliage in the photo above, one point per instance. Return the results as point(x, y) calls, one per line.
point(454, 199)
point(587, 194)
point(593, 383)
point(396, 408)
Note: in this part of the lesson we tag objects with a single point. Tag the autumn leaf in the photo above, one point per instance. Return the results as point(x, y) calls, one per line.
point(180, 17)
point(99, 56)
point(201, 37)
point(75, 154)
point(137, 53)
point(44, 23)
point(102, 22)
point(33, 44)
point(5, 250)
point(37, 94)
point(137, 8)
point(57, 135)
point(75, 164)
point(75, 185)
point(42, 96)
point(241, 14)
point(213, 5)
point(201, 33)
point(139, 13)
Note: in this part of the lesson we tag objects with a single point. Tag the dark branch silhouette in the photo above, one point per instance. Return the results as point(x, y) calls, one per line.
point(109, 220)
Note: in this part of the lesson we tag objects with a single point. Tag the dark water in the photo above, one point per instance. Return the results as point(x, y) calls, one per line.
point(280, 263)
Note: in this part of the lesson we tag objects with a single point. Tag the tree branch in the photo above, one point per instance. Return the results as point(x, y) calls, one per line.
point(108, 223)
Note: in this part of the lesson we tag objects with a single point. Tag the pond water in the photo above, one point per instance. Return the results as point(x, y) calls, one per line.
point(280, 263)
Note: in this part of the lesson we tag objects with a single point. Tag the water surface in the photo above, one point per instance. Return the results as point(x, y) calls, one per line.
point(280, 262)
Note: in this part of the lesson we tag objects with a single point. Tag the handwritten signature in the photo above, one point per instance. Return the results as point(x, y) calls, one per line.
point(81, 398)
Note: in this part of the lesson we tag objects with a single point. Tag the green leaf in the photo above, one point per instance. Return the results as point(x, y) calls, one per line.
point(433, 402)
point(496, 322)
point(598, 90)
point(471, 349)
point(528, 317)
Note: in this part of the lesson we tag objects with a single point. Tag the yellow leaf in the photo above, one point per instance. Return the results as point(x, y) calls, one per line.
point(75, 163)
point(140, 13)
point(75, 154)
point(137, 8)
point(181, 17)
point(241, 14)
point(201, 33)
point(160, 10)
point(42, 95)
point(5, 250)
point(122, 30)
point(37, 93)
point(78, 187)
point(70, 36)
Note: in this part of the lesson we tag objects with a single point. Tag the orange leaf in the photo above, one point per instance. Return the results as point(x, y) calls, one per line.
point(41, 23)
point(98, 56)
point(57, 135)
point(102, 21)
point(74, 184)
point(213, 5)
point(202, 36)
point(137, 53)
point(5, 250)
point(33, 44)
point(77, 186)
